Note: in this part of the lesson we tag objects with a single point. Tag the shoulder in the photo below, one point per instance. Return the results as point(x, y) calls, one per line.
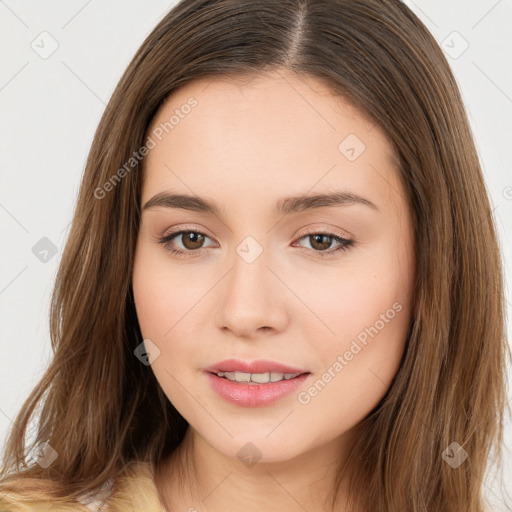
point(138, 486)
point(20, 492)
point(133, 490)
point(26, 502)
point(15, 503)
point(96, 502)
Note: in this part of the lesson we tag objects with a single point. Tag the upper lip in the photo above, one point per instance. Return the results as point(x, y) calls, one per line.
point(258, 366)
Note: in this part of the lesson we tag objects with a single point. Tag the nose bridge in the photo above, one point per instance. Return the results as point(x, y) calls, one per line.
point(250, 299)
point(250, 272)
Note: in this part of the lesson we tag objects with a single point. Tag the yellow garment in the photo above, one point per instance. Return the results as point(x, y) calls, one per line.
point(133, 493)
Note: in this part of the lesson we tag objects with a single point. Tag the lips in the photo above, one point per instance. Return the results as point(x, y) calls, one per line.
point(254, 395)
point(258, 366)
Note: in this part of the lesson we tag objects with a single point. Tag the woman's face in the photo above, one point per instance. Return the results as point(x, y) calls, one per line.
point(259, 171)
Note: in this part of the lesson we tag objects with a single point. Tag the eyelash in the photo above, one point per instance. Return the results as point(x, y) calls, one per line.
point(345, 243)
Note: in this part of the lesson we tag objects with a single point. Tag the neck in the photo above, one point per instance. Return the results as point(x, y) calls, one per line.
point(199, 477)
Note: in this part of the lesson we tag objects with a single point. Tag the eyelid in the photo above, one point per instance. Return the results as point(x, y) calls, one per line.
point(313, 229)
point(186, 228)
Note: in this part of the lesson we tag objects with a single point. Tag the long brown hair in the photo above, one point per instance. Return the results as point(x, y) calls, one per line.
point(101, 409)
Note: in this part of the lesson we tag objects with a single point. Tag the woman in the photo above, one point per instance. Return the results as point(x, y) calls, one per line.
point(282, 287)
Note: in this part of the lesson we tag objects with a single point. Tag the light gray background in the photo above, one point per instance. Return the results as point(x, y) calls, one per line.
point(50, 108)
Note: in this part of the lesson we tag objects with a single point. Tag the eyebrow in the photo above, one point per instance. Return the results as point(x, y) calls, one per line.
point(285, 206)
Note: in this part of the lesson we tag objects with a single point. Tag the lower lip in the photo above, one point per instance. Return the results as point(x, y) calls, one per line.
point(254, 395)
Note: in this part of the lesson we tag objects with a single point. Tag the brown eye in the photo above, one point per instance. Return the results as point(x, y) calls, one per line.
point(190, 244)
point(192, 240)
point(320, 242)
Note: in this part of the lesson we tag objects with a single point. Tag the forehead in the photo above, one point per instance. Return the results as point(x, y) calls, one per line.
point(265, 132)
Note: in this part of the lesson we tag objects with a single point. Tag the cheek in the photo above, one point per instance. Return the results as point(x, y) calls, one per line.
point(170, 311)
point(358, 364)
point(352, 296)
point(366, 314)
point(164, 295)
point(162, 300)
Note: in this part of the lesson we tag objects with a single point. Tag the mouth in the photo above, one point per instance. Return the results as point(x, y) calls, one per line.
point(247, 393)
point(259, 371)
point(255, 384)
point(257, 378)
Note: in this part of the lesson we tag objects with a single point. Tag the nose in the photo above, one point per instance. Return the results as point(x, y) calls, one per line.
point(251, 299)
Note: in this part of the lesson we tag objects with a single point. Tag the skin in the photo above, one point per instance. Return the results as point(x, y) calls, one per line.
point(245, 146)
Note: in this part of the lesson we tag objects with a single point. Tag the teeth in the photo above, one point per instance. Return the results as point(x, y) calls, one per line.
point(258, 378)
